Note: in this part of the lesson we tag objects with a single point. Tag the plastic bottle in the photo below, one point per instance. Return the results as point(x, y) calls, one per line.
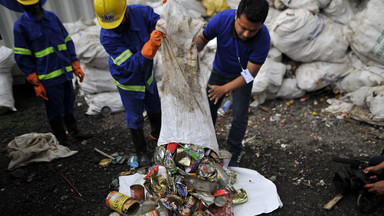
point(201, 185)
point(224, 109)
point(133, 163)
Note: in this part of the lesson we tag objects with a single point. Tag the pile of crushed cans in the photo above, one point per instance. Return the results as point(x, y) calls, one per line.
point(186, 180)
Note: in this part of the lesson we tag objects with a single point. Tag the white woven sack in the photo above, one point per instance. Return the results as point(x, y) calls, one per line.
point(186, 117)
point(306, 37)
point(317, 75)
point(365, 33)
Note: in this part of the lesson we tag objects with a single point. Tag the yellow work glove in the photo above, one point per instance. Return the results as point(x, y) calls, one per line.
point(39, 88)
point(77, 70)
point(150, 48)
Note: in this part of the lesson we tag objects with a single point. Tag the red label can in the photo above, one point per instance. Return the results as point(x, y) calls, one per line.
point(137, 192)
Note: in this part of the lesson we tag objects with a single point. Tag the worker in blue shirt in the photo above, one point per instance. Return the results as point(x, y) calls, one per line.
point(128, 35)
point(44, 51)
point(243, 43)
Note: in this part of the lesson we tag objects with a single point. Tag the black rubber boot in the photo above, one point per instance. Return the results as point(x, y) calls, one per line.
point(74, 131)
point(155, 122)
point(140, 146)
point(58, 130)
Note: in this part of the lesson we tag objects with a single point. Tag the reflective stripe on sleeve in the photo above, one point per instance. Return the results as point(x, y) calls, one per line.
point(122, 57)
point(150, 80)
point(43, 52)
point(22, 51)
point(68, 38)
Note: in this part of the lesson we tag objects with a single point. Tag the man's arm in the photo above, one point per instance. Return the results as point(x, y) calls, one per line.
point(201, 41)
point(216, 92)
point(377, 187)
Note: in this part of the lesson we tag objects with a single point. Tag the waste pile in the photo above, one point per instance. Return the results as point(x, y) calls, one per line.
point(185, 180)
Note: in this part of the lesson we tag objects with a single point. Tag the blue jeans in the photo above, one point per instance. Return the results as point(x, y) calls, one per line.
point(241, 99)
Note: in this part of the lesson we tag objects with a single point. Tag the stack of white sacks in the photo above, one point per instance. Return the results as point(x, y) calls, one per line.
point(337, 42)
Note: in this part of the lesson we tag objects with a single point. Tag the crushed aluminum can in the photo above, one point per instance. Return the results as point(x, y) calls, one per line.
point(168, 204)
point(225, 156)
point(206, 168)
point(194, 151)
point(215, 156)
point(223, 177)
point(220, 201)
point(189, 206)
point(206, 198)
point(169, 162)
point(223, 203)
point(152, 213)
point(105, 162)
point(159, 155)
point(175, 199)
point(156, 184)
point(182, 189)
point(201, 185)
point(172, 147)
point(199, 213)
point(183, 159)
point(233, 177)
point(239, 197)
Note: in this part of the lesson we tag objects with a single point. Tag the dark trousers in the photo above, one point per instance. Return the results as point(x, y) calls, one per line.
point(61, 99)
point(241, 100)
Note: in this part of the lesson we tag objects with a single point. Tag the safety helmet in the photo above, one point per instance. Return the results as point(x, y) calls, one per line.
point(110, 13)
point(28, 2)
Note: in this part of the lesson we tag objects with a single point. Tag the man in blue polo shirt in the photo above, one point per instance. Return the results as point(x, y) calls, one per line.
point(243, 43)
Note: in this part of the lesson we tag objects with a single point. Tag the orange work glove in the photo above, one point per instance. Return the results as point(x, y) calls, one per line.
point(77, 70)
point(164, 1)
point(39, 88)
point(150, 48)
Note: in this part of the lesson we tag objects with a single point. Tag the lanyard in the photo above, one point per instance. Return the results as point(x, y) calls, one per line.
point(238, 56)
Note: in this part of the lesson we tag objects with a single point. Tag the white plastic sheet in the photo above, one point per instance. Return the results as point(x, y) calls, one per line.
point(186, 116)
point(262, 193)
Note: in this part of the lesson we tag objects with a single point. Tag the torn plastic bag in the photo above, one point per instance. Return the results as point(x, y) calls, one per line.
point(186, 117)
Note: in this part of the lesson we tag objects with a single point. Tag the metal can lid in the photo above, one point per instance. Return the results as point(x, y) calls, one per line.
point(221, 201)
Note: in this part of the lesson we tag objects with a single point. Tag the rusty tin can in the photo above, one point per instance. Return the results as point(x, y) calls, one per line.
point(137, 192)
point(122, 203)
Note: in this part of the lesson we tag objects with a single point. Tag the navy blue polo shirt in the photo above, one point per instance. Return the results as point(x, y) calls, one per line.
point(229, 46)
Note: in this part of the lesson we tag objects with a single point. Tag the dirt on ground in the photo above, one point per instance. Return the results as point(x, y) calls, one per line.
point(290, 143)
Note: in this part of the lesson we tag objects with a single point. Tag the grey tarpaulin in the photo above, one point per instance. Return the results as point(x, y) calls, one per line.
point(35, 147)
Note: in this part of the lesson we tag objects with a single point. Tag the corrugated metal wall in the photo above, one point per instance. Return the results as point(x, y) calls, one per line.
point(66, 10)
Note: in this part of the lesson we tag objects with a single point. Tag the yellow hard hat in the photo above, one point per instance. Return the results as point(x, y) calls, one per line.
point(27, 2)
point(110, 13)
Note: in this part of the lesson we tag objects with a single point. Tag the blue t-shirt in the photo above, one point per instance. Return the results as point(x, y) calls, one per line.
point(229, 47)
